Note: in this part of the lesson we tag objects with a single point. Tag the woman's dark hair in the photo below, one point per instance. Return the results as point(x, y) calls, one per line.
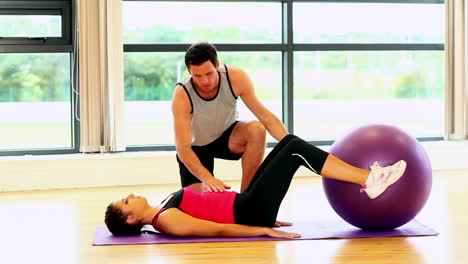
point(200, 52)
point(116, 222)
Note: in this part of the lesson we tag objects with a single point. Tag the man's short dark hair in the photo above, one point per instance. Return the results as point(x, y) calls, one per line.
point(116, 222)
point(200, 52)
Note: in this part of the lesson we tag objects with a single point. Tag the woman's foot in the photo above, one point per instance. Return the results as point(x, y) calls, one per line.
point(381, 177)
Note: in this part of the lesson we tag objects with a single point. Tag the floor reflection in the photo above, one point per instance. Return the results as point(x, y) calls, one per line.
point(46, 228)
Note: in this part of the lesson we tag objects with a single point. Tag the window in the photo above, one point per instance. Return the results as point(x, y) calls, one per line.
point(335, 91)
point(30, 26)
point(36, 78)
point(320, 22)
point(149, 81)
point(155, 45)
point(322, 66)
point(362, 65)
point(191, 21)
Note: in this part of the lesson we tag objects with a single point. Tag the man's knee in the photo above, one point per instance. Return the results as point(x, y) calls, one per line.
point(256, 130)
point(247, 134)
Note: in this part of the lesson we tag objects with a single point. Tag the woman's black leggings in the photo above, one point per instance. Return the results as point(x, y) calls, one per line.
point(258, 205)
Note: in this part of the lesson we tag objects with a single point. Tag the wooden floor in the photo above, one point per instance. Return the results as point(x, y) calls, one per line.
point(57, 226)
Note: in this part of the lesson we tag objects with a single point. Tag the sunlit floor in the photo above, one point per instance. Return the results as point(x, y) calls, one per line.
point(57, 226)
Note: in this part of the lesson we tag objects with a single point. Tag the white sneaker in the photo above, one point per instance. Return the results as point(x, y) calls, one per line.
point(382, 177)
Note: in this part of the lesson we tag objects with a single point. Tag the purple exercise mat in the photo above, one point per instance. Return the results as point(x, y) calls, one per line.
point(308, 230)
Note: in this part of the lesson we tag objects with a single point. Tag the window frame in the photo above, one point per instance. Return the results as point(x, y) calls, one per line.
point(64, 44)
point(61, 8)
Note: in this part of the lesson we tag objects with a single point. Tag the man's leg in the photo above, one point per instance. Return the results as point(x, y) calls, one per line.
point(248, 138)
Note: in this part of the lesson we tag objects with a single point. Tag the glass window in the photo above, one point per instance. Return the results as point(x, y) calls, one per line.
point(30, 26)
point(333, 90)
point(188, 22)
point(150, 79)
point(337, 90)
point(35, 101)
point(368, 23)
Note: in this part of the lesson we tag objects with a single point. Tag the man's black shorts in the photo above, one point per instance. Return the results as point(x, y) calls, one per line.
point(216, 149)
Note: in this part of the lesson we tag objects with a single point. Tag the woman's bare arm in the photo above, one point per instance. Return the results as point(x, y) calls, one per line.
point(177, 223)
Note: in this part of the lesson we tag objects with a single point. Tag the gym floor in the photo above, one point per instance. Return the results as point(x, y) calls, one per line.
point(57, 226)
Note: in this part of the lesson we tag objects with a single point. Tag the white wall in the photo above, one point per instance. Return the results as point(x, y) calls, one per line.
point(94, 170)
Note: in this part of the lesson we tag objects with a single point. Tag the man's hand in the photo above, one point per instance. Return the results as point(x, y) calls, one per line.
point(215, 185)
point(281, 234)
point(281, 223)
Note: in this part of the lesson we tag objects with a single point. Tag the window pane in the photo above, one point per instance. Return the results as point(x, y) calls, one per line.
point(368, 23)
point(151, 77)
point(335, 91)
point(35, 101)
point(30, 26)
point(187, 22)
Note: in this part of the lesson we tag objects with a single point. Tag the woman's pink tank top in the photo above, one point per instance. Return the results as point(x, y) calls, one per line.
point(213, 206)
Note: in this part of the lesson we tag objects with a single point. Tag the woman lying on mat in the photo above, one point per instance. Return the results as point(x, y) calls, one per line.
point(252, 212)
